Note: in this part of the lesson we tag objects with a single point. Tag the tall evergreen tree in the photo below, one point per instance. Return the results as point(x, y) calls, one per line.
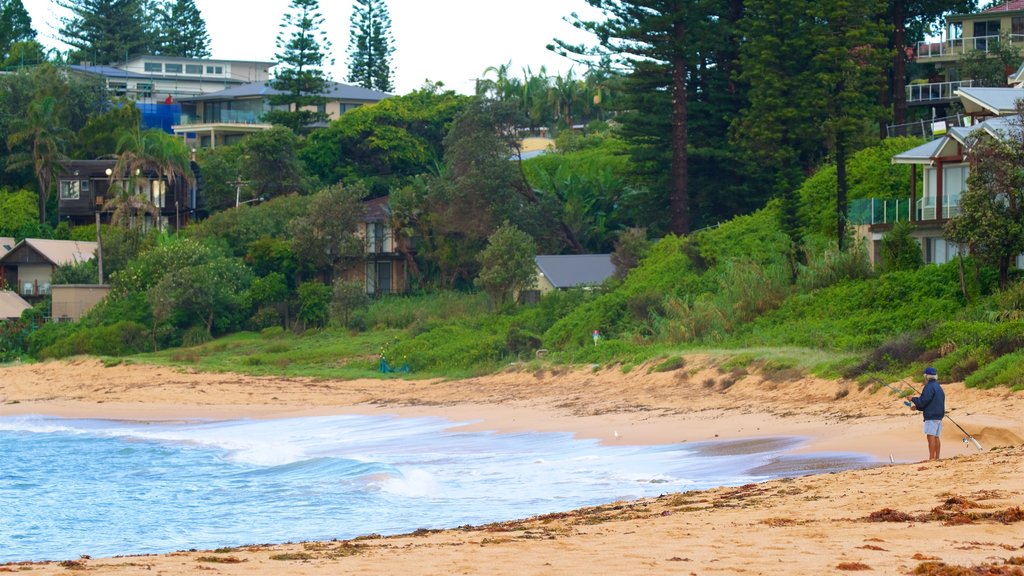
point(780, 126)
point(303, 48)
point(849, 62)
point(182, 30)
point(370, 46)
point(664, 44)
point(15, 26)
point(105, 31)
point(909, 22)
point(813, 69)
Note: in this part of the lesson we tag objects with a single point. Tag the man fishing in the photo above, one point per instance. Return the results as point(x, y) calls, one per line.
point(932, 404)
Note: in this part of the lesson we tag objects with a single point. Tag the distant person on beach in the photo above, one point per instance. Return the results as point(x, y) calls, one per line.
point(932, 404)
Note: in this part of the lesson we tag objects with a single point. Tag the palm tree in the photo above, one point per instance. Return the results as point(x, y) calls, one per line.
point(565, 96)
point(142, 154)
point(42, 130)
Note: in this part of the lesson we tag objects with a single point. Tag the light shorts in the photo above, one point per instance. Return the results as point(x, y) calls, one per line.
point(932, 427)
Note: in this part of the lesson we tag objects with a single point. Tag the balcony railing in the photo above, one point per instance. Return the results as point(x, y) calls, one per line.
point(935, 91)
point(960, 46)
point(924, 128)
point(878, 211)
point(224, 117)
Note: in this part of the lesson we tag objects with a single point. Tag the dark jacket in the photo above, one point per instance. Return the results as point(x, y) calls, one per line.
point(932, 402)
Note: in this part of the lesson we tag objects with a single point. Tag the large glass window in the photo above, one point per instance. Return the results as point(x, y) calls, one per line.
point(954, 182)
point(172, 68)
point(1017, 25)
point(193, 68)
point(145, 89)
point(153, 67)
point(72, 189)
point(214, 69)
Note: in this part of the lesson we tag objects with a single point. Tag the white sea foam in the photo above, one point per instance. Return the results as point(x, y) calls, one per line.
point(207, 484)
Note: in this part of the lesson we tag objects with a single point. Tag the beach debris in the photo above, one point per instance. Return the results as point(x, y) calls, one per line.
point(943, 569)
point(852, 566)
point(221, 559)
point(292, 556)
point(889, 515)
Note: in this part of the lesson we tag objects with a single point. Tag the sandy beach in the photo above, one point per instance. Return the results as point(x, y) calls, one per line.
point(902, 516)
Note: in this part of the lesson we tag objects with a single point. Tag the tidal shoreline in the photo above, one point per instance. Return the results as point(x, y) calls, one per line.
point(806, 525)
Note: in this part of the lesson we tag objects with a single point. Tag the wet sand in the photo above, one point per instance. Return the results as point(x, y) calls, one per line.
point(891, 519)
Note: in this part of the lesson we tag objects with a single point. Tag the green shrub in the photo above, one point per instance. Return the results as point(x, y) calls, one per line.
point(48, 334)
point(118, 339)
point(669, 364)
point(194, 336)
point(1006, 370)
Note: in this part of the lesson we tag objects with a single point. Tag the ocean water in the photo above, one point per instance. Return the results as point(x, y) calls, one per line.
point(70, 487)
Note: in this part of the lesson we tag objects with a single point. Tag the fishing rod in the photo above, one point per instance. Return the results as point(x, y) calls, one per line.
point(907, 403)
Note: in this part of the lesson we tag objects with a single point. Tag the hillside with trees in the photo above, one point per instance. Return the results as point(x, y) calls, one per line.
point(716, 172)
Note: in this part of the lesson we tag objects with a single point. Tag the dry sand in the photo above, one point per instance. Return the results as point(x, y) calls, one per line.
point(964, 510)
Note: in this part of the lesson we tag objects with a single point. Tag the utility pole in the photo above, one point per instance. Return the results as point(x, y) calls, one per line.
point(238, 189)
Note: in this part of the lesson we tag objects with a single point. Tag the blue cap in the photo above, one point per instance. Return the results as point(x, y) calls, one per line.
point(930, 371)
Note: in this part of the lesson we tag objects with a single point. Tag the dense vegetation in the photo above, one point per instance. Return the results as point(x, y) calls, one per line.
point(718, 183)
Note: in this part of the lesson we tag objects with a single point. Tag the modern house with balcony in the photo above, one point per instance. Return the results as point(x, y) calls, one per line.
point(151, 79)
point(85, 188)
point(963, 34)
point(938, 177)
point(225, 117)
point(156, 83)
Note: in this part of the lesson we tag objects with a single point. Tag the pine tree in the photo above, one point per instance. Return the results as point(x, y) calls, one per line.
point(848, 63)
point(105, 31)
point(370, 46)
point(182, 30)
point(302, 46)
point(15, 26)
point(667, 45)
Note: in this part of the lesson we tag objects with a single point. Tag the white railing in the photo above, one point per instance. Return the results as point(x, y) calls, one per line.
point(960, 46)
point(925, 128)
point(936, 90)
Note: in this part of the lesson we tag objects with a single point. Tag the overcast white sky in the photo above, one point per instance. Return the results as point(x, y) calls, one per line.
point(452, 41)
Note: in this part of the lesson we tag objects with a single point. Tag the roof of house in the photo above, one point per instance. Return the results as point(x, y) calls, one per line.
point(335, 90)
point(197, 60)
point(108, 71)
point(58, 252)
point(376, 210)
point(566, 271)
point(919, 154)
point(998, 101)
point(998, 127)
point(1008, 6)
point(12, 305)
point(6, 244)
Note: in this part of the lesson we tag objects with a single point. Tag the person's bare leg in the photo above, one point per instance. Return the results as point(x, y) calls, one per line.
point(933, 447)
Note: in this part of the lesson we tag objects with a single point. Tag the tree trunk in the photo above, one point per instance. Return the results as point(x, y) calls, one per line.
point(679, 201)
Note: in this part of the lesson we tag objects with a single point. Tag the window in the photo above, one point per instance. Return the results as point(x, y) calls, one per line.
point(1017, 25)
point(72, 189)
point(193, 69)
point(118, 88)
point(172, 68)
point(145, 89)
point(214, 69)
point(153, 67)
